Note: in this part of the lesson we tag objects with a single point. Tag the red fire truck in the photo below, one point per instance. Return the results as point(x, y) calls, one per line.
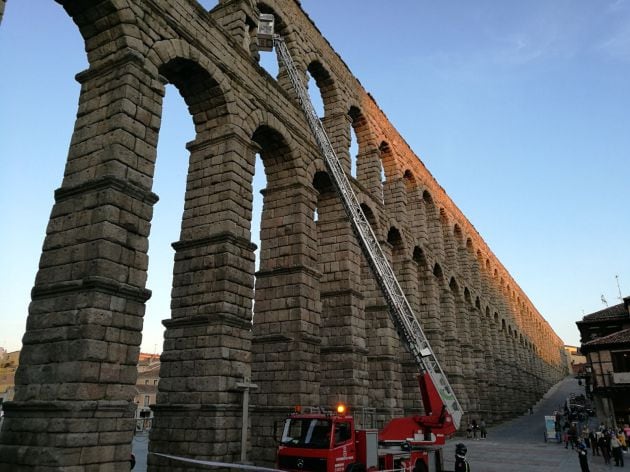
point(330, 442)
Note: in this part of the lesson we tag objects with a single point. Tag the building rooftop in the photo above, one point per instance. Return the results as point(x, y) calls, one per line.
point(614, 339)
point(614, 312)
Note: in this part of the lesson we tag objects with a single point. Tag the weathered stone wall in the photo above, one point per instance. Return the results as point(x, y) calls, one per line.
point(320, 331)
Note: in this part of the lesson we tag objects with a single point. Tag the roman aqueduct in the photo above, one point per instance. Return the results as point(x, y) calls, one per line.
point(320, 331)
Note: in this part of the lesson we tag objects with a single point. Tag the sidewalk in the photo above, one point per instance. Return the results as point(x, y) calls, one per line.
point(519, 445)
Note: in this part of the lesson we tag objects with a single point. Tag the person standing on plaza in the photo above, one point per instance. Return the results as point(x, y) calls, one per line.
point(622, 439)
point(482, 429)
point(582, 456)
point(615, 447)
point(585, 436)
point(461, 464)
point(604, 446)
point(573, 435)
point(475, 429)
point(592, 437)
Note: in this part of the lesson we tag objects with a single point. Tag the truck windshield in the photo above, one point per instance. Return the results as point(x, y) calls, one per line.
point(307, 432)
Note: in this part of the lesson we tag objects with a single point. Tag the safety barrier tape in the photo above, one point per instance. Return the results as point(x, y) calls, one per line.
point(229, 465)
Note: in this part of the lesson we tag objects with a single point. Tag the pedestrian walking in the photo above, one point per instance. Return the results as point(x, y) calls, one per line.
point(475, 429)
point(622, 439)
point(604, 446)
point(461, 464)
point(469, 431)
point(615, 447)
point(573, 435)
point(582, 457)
point(592, 437)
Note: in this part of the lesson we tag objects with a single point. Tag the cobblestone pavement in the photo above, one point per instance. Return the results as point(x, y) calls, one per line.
point(517, 445)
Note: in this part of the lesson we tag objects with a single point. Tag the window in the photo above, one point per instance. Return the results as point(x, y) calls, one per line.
point(146, 382)
point(307, 432)
point(342, 433)
point(146, 400)
point(621, 361)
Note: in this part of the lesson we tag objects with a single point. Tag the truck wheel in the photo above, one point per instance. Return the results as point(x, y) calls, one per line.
point(356, 467)
point(420, 467)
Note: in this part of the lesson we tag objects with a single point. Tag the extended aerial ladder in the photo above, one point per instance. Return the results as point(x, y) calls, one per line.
point(399, 309)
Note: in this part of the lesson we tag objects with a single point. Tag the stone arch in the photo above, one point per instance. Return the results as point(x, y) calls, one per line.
point(395, 238)
point(371, 218)
point(410, 180)
point(450, 245)
point(107, 17)
point(387, 160)
point(419, 257)
point(361, 127)
point(369, 168)
point(287, 285)
point(325, 83)
point(454, 285)
point(458, 234)
point(200, 82)
point(260, 117)
point(437, 271)
point(434, 230)
point(288, 33)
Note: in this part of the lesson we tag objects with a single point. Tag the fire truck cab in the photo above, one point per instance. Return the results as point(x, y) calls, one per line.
point(318, 442)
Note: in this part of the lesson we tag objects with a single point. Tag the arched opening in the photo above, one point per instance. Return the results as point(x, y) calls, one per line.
point(259, 184)
point(387, 161)
point(418, 256)
point(409, 180)
point(358, 126)
point(208, 4)
point(199, 284)
point(169, 182)
point(281, 286)
point(320, 88)
point(369, 215)
point(269, 60)
point(454, 286)
point(394, 238)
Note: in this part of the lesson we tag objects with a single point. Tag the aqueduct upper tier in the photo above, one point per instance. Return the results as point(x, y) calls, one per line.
point(320, 330)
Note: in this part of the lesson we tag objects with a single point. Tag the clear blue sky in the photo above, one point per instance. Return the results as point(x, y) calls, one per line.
point(521, 110)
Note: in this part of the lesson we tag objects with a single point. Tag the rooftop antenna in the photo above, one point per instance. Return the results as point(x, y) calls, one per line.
point(603, 299)
point(618, 288)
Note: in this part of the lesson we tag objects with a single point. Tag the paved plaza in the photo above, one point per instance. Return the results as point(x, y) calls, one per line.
point(517, 445)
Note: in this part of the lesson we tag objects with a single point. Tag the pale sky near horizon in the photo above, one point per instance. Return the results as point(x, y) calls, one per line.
point(520, 110)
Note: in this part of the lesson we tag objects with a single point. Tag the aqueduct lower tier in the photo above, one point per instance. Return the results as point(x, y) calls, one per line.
point(320, 330)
